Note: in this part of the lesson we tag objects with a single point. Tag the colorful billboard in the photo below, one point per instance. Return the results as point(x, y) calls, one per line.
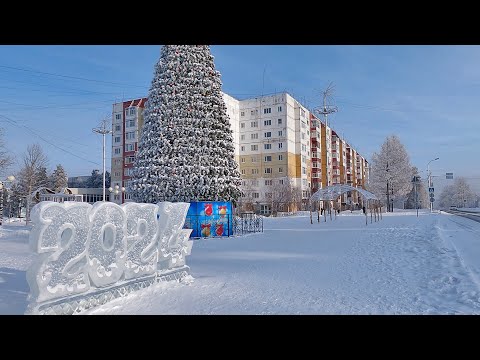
point(209, 219)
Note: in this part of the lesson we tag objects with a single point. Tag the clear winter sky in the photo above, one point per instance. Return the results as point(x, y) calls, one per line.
point(427, 95)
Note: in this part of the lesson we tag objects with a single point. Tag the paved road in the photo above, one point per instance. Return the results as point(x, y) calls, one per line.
point(466, 214)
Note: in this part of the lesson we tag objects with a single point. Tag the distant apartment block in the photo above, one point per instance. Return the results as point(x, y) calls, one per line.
point(127, 122)
point(279, 146)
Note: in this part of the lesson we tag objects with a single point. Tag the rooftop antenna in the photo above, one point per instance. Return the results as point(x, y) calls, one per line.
point(327, 109)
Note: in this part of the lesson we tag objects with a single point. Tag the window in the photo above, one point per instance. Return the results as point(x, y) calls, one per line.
point(279, 109)
point(280, 157)
point(242, 148)
point(268, 182)
point(130, 135)
point(256, 195)
point(280, 145)
point(304, 159)
point(254, 136)
point(280, 169)
point(279, 121)
point(303, 125)
point(267, 134)
point(243, 171)
point(129, 147)
point(302, 111)
point(117, 139)
point(132, 111)
point(267, 110)
point(254, 182)
point(242, 137)
point(118, 116)
point(254, 171)
point(280, 133)
point(315, 165)
point(116, 173)
point(242, 113)
point(268, 170)
point(280, 182)
point(267, 122)
point(254, 124)
point(128, 172)
point(117, 128)
point(304, 170)
point(116, 151)
point(254, 147)
point(252, 112)
point(117, 161)
point(268, 195)
point(242, 159)
point(242, 125)
point(304, 147)
point(254, 159)
point(303, 136)
point(304, 182)
point(128, 196)
point(131, 123)
point(267, 146)
point(268, 158)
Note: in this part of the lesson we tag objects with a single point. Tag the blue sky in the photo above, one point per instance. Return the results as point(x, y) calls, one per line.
point(426, 95)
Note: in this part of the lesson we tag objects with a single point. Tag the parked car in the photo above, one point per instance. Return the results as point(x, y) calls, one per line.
point(453, 207)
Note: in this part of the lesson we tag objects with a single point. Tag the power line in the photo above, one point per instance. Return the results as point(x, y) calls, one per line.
point(69, 77)
point(13, 122)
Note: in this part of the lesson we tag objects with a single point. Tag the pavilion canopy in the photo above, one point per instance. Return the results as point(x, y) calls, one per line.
point(333, 192)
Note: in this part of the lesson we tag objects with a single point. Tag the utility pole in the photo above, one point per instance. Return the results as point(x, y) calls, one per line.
point(327, 109)
point(104, 130)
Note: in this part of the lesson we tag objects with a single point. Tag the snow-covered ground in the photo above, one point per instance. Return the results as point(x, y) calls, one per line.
point(403, 264)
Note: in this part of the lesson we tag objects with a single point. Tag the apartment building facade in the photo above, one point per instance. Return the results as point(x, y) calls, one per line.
point(334, 161)
point(274, 138)
point(127, 122)
point(284, 152)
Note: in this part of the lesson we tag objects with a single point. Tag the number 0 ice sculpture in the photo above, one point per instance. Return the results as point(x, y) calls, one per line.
point(88, 255)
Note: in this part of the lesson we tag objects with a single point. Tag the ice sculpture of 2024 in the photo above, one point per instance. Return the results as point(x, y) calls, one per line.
point(90, 254)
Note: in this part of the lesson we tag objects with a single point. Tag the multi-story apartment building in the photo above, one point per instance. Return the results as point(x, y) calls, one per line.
point(274, 138)
point(284, 152)
point(127, 122)
point(334, 161)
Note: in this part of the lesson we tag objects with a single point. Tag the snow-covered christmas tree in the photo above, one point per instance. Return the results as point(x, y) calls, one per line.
point(59, 178)
point(186, 150)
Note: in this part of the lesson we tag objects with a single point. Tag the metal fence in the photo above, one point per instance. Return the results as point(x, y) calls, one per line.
point(243, 223)
point(247, 223)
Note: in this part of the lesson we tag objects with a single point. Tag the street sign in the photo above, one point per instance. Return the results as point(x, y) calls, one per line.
point(449, 176)
point(432, 199)
point(430, 190)
point(432, 195)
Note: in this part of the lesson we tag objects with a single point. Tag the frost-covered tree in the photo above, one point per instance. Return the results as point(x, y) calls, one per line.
point(59, 178)
point(186, 150)
point(422, 195)
point(95, 180)
point(390, 165)
point(33, 174)
point(458, 194)
point(42, 178)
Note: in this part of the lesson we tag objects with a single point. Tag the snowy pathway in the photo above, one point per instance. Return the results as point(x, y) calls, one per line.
point(400, 265)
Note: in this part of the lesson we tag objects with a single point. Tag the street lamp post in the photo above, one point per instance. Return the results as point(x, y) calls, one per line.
point(9, 179)
point(103, 130)
point(116, 190)
point(430, 180)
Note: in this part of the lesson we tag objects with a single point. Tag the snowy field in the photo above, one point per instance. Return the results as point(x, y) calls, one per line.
point(403, 264)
